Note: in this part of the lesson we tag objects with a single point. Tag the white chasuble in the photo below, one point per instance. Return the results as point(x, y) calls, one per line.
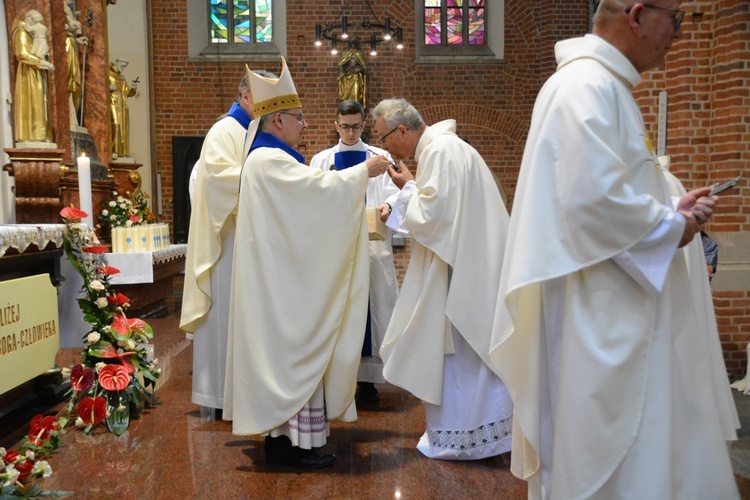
point(608, 399)
point(208, 264)
point(458, 222)
point(299, 291)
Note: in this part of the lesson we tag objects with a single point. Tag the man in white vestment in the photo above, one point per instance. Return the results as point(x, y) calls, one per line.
point(618, 383)
point(295, 327)
point(208, 266)
point(381, 194)
point(438, 339)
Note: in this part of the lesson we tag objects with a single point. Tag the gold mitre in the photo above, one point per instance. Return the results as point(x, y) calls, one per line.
point(272, 94)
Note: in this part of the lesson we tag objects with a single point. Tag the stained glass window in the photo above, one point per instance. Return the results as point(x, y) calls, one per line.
point(454, 22)
point(241, 21)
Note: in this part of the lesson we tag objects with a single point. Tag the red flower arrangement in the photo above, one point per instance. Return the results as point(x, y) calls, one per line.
point(116, 370)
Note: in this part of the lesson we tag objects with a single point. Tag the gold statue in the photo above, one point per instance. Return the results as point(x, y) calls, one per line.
point(31, 110)
point(353, 76)
point(119, 91)
point(74, 39)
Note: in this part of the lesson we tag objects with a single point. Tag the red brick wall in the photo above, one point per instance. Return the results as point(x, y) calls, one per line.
point(706, 76)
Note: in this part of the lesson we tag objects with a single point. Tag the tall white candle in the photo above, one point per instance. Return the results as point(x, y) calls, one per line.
point(84, 188)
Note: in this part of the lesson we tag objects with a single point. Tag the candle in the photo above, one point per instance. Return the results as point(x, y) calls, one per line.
point(84, 188)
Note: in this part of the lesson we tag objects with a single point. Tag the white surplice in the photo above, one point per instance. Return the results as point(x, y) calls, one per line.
point(383, 281)
point(208, 265)
point(295, 324)
point(596, 336)
point(437, 342)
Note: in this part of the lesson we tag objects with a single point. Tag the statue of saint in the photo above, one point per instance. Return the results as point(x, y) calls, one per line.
point(119, 91)
point(32, 117)
point(73, 41)
point(353, 76)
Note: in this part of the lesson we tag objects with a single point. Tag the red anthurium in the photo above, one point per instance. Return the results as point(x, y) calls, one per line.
point(81, 378)
point(92, 410)
point(123, 328)
point(109, 270)
point(21, 463)
point(135, 218)
point(107, 351)
point(114, 377)
point(141, 327)
point(120, 327)
point(94, 249)
point(118, 299)
point(72, 213)
point(41, 427)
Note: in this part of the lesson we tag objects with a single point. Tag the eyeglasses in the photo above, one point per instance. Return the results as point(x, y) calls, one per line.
point(679, 15)
point(382, 139)
point(300, 117)
point(346, 128)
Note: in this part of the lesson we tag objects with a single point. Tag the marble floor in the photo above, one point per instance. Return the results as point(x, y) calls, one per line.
point(171, 452)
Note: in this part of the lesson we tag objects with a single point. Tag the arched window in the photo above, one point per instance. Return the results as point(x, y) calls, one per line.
point(246, 29)
point(458, 29)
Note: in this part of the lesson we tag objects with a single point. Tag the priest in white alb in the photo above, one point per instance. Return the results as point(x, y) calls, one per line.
point(208, 264)
point(438, 339)
point(618, 385)
point(296, 326)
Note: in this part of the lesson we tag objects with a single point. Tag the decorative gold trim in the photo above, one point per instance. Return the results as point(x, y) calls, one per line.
point(278, 103)
point(39, 159)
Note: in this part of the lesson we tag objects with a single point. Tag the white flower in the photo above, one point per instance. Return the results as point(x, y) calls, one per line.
point(12, 476)
point(112, 217)
point(122, 205)
point(94, 337)
point(156, 361)
point(112, 203)
point(130, 344)
point(128, 223)
point(99, 366)
point(121, 408)
point(120, 199)
point(105, 212)
point(3, 452)
point(42, 468)
point(97, 285)
point(30, 454)
point(101, 302)
point(79, 422)
point(121, 343)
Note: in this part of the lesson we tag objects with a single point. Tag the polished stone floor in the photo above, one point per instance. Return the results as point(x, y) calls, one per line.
point(171, 452)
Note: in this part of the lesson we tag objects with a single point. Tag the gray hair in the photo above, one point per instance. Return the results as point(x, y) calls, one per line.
point(397, 112)
point(244, 85)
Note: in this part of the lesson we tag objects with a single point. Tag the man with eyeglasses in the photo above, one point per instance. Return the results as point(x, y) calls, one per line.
point(438, 339)
point(214, 187)
point(381, 194)
point(299, 285)
point(619, 390)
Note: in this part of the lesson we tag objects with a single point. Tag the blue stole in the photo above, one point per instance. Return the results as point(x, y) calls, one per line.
point(346, 159)
point(266, 140)
point(239, 114)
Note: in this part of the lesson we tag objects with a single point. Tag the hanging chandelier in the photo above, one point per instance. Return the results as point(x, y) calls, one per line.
point(346, 34)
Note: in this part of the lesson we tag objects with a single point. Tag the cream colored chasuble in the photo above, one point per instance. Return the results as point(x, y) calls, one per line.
point(299, 291)
point(456, 218)
point(604, 388)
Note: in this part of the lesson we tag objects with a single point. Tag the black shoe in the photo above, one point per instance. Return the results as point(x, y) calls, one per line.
point(311, 459)
point(278, 450)
point(368, 392)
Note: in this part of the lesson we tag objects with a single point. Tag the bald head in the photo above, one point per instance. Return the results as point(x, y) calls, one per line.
point(643, 32)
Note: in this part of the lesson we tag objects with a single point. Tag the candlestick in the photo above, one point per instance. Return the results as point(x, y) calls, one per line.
point(84, 188)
